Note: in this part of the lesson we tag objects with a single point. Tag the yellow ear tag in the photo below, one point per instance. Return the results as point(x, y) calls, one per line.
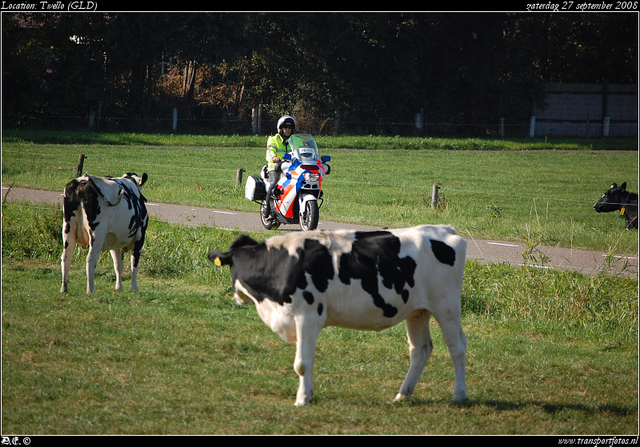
point(217, 262)
point(622, 212)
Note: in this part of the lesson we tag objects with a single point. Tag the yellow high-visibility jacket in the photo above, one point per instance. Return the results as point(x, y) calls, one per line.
point(276, 146)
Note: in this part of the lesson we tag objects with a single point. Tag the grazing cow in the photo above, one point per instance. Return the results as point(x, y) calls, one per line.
point(96, 216)
point(617, 198)
point(305, 281)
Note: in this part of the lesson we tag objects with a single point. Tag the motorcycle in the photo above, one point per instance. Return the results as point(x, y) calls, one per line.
point(297, 196)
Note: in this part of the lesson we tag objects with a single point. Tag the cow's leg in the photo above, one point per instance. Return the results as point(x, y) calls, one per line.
point(420, 347)
point(135, 259)
point(95, 247)
point(457, 343)
point(118, 266)
point(68, 243)
point(307, 332)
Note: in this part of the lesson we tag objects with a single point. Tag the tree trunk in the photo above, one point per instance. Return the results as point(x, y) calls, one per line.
point(189, 81)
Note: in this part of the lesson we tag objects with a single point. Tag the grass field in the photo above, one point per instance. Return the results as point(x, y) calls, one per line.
point(549, 352)
point(514, 190)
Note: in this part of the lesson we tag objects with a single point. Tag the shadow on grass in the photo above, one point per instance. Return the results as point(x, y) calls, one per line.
point(549, 408)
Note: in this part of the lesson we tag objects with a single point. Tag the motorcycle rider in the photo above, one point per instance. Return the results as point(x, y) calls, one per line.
point(277, 145)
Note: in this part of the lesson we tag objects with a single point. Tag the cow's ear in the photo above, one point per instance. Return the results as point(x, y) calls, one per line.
point(143, 179)
point(220, 258)
point(623, 187)
point(242, 241)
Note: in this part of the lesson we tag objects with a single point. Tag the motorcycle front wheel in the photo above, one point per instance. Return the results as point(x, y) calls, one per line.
point(309, 219)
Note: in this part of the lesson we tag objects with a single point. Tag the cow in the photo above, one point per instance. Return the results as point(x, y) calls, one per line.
point(366, 280)
point(104, 213)
point(617, 198)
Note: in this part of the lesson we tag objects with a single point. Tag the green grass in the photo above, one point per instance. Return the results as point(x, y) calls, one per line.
point(334, 142)
point(549, 352)
point(495, 189)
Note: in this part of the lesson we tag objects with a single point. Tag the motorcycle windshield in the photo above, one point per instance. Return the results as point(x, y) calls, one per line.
point(304, 148)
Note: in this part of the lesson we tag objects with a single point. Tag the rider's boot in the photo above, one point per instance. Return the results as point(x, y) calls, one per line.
point(266, 209)
point(266, 203)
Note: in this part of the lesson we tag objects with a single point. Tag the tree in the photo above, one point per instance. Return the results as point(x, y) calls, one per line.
point(376, 69)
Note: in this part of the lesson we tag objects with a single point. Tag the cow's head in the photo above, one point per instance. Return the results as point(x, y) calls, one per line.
point(242, 243)
point(221, 258)
point(139, 180)
point(612, 200)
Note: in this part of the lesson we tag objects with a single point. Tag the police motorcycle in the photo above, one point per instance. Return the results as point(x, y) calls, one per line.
point(297, 197)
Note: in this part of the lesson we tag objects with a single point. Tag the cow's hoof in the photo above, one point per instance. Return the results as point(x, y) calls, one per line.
point(457, 398)
point(301, 402)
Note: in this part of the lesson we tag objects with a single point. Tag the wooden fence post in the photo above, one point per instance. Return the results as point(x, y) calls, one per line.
point(532, 127)
point(605, 126)
point(420, 119)
point(434, 197)
point(254, 121)
point(80, 164)
point(175, 119)
point(239, 177)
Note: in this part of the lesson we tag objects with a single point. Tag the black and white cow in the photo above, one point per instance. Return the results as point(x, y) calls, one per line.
point(617, 198)
point(305, 281)
point(104, 213)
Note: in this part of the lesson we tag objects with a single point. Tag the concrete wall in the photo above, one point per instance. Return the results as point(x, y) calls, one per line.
point(587, 110)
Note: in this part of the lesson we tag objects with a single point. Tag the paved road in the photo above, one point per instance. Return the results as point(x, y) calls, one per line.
point(479, 249)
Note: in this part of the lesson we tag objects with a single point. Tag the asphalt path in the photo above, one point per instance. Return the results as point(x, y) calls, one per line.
point(587, 262)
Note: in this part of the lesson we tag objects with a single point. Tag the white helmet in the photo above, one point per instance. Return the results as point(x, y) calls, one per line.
point(286, 119)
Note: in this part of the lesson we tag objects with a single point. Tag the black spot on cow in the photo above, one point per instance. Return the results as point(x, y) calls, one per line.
point(71, 203)
point(320, 309)
point(443, 252)
point(272, 273)
point(308, 297)
point(317, 262)
point(377, 253)
point(135, 203)
point(81, 191)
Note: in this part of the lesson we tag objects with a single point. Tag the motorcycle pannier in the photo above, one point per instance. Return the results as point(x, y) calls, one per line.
point(255, 188)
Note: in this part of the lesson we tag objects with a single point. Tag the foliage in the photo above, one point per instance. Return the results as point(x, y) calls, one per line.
point(375, 69)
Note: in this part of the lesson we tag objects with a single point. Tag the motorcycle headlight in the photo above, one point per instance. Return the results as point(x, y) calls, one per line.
point(311, 177)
